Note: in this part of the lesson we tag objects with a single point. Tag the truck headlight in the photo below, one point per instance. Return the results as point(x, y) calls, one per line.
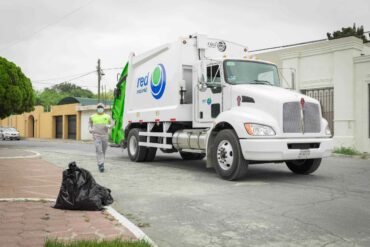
point(327, 130)
point(259, 130)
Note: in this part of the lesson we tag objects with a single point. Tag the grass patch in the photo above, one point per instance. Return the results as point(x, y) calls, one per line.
point(365, 156)
point(346, 151)
point(96, 243)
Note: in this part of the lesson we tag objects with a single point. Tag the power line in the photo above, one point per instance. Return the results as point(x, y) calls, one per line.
point(11, 44)
point(68, 79)
point(53, 84)
point(63, 77)
point(113, 68)
point(71, 79)
point(79, 75)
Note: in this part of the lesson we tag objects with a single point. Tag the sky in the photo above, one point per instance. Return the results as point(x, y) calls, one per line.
point(54, 41)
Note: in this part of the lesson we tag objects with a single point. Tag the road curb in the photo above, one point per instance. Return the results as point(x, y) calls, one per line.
point(34, 155)
point(136, 231)
point(21, 199)
point(131, 226)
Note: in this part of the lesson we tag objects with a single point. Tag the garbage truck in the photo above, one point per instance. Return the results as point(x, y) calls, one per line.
point(207, 98)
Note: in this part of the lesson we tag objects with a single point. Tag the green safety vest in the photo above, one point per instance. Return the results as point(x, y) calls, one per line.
point(100, 118)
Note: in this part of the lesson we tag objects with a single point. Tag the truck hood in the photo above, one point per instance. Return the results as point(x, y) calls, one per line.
point(268, 100)
point(267, 94)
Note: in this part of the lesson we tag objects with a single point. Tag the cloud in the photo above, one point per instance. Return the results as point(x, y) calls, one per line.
point(111, 29)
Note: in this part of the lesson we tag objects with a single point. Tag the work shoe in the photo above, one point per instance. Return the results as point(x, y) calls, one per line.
point(101, 167)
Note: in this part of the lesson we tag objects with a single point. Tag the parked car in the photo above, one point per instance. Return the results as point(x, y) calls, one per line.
point(1, 132)
point(9, 134)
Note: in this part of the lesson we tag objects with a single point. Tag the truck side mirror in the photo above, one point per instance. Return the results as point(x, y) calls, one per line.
point(201, 68)
point(202, 85)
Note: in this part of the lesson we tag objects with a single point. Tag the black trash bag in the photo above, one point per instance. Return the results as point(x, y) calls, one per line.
point(79, 191)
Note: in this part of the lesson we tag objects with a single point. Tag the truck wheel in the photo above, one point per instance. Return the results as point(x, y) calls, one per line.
point(192, 156)
point(303, 166)
point(150, 155)
point(135, 152)
point(227, 155)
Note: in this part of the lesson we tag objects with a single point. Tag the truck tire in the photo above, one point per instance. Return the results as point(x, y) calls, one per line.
point(303, 166)
point(227, 156)
point(192, 156)
point(135, 152)
point(150, 155)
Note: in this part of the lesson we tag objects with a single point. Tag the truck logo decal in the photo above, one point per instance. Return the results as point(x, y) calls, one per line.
point(207, 101)
point(158, 81)
point(221, 46)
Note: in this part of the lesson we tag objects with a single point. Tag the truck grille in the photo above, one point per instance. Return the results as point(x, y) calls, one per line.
point(292, 118)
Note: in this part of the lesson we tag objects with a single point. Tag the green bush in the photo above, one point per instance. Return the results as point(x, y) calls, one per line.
point(349, 31)
point(346, 151)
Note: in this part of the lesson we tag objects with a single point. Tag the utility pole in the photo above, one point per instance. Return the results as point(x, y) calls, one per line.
point(98, 70)
point(105, 94)
point(102, 93)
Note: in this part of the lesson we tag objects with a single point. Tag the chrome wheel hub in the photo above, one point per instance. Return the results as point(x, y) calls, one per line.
point(225, 155)
point(133, 145)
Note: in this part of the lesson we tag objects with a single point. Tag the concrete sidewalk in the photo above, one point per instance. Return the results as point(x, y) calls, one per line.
point(29, 223)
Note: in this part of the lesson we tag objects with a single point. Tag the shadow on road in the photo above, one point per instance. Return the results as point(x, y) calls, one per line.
point(267, 172)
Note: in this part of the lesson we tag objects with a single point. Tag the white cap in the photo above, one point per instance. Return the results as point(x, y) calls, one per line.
point(100, 105)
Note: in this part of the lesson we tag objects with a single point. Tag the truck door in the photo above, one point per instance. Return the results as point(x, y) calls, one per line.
point(208, 102)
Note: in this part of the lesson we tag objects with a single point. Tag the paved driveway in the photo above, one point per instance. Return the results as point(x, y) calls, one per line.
point(181, 203)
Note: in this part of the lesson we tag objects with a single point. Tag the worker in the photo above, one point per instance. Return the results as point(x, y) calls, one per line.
point(99, 124)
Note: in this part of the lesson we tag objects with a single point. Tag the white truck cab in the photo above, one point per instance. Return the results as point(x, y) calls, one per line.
point(205, 97)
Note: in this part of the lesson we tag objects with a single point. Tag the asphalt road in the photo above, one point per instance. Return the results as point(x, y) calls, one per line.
point(181, 203)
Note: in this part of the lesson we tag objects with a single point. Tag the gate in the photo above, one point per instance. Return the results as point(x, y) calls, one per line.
point(58, 127)
point(326, 98)
point(72, 127)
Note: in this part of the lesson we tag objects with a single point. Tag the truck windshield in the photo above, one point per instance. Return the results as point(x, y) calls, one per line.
point(250, 72)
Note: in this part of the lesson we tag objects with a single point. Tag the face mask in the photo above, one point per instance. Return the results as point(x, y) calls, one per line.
point(100, 110)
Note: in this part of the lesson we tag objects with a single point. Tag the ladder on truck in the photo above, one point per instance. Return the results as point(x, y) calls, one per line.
point(118, 107)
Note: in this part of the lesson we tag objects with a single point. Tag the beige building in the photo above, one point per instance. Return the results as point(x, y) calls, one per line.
point(337, 73)
point(62, 122)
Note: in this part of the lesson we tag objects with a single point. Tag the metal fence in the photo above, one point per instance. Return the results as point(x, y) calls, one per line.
point(326, 98)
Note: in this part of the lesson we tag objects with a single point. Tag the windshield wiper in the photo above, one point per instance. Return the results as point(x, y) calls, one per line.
point(262, 82)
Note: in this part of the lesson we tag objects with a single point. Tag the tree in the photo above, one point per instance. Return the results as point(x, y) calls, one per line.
point(72, 90)
point(51, 96)
point(349, 31)
point(108, 95)
point(48, 97)
point(16, 93)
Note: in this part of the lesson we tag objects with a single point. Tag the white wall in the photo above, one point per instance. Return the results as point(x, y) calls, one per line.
point(362, 111)
point(86, 112)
